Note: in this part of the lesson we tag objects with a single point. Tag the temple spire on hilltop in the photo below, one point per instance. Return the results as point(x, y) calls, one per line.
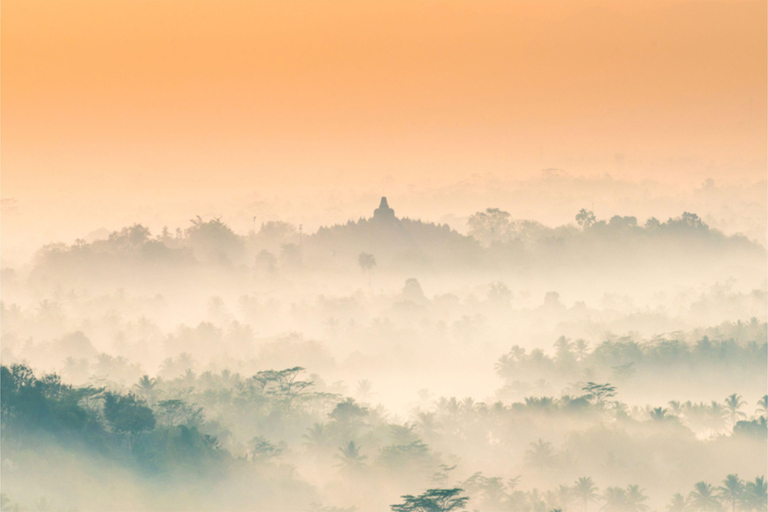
point(384, 211)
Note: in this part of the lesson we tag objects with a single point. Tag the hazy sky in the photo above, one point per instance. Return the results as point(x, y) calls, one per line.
point(163, 101)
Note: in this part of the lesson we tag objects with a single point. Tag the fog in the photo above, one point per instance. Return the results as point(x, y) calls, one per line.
point(548, 195)
point(512, 348)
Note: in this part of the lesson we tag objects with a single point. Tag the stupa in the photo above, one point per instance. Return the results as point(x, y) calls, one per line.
point(384, 212)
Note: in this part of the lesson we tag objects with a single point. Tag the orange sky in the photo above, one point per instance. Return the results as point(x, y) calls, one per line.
point(184, 98)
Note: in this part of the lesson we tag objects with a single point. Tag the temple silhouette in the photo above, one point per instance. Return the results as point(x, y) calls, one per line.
point(396, 242)
point(384, 212)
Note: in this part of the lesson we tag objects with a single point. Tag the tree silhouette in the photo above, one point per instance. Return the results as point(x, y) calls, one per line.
point(756, 494)
point(733, 403)
point(364, 390)
point(433, 500)
point(489, 226)
point(127, 414)
point(581, 348)
point(317, 436)
point(146, 388)
point(585, 218)
point(350, 457)
point(540, 454)
point(636, 499)
point(615, 499)
point(659, 414)
point(703, 498)
point(678, 503)
point(283, 384)
point(262, 450)
point(717, 416)
point(599, 393)
point(366, 262)
point(732, 491)
point(586, 490)
point(762, 406)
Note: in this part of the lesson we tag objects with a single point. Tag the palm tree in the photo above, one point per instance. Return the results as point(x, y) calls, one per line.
point(540, 454)
point(762, 406)
point(733, 403)
point(756, 494)
point(363, 390)
point(317, 436)
point(350, 456)
point(586, 490)
point(581, 348)
point(676, 407)
point(732, 491)
point(703, 498)
point(635, 498)
point(716, 416)
point(564, 496)
point(536, 501)
point(615, 499)
point(427, 425)
point(678, 503)
point(146, 388)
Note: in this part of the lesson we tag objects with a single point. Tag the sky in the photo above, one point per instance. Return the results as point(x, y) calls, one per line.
point(159, 105)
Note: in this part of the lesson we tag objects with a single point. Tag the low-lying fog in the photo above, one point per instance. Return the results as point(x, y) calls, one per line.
point(607, 363)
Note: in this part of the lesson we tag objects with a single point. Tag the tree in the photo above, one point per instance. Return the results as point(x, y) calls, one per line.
point(290, 256)
point(563, 497)
point(128, 415)
point(762, 406)
point(678, 503)
point(282, 384)
point(757, 428)
point(499, 293)
point(433, 500)
point(146, 388)
point(350, 457)
point(581, 349)
point(585, 218)
point(615, 499)
point(732, 491)
point(366, 262)
point(659, 414)
point(266, 262)
point(586, 490)
point(412, 290)
point(347, 411)
point(636, 499)
point(733, 403)
point(489, 226)
point(703, 498)
point(364, 390)
point(756, 494)
point(317, 436)
point(717, 416)
point(599, 393)
point(130, 237)
point(540, 454)
point(563, 351)
point(214, 241)
point(262, 450)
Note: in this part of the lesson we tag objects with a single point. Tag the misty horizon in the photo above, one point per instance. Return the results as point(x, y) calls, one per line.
point(407, 256)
